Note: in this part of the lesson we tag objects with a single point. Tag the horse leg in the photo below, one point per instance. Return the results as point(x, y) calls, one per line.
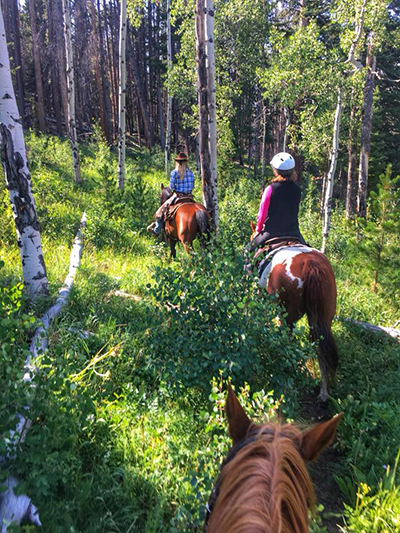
point(188, 247)
point(172, 245)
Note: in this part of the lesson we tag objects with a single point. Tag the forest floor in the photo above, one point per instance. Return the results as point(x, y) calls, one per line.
point(117, 449)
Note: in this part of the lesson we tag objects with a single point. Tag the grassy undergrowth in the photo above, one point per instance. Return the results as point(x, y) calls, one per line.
point(128, 428)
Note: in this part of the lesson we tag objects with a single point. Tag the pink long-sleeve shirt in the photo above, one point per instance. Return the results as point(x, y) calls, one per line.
point(264, 206)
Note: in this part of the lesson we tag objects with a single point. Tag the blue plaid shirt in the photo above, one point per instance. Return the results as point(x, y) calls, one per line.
point(185, 185)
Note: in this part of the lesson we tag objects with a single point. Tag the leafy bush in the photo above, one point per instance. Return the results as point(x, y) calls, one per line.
point(214, 318)
point(15, 326)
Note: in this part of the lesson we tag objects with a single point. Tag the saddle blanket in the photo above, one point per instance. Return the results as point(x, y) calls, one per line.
point(279, 256)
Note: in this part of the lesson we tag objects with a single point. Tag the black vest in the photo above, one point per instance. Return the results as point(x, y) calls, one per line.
point(282, 219)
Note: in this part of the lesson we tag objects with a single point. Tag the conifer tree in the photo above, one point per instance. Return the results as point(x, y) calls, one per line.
point(380, 244)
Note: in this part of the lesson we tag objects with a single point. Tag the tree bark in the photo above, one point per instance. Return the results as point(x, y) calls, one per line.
point(38, 66)
point(97, 56)
point(17, 57)
point(209, 192)
point(158, 81)
point(18, 180)
point(351, 150)
point(331, 173)
point(148, 129)
point(71, 93)
point(169, 98)
point(366, 124)
point(60, 57)
point(211, 101)
point(122, 97)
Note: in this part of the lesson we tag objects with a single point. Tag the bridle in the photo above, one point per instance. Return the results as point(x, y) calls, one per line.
point(254, 435)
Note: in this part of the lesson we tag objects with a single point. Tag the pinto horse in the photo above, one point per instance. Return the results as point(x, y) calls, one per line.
point(190, 220)
point(264, 485)
point(304, 281)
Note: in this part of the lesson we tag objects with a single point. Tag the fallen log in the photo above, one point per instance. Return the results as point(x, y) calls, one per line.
point(395, 333)
point(17, 509)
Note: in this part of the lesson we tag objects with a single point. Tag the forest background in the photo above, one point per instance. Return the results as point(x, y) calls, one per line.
point(128, 430)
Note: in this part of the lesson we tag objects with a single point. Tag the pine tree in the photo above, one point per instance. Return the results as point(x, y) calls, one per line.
point(380, 243)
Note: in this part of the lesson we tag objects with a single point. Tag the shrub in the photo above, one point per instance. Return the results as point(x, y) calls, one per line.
point(214, 318)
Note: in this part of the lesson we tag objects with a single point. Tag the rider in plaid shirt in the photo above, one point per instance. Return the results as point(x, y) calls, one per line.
point(184, 185)
point(181, 183)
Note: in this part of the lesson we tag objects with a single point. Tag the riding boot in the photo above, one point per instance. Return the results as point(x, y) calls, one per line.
point(159, 226)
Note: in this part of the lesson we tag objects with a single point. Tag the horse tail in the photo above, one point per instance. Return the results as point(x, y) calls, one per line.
point(203, 223)
point(316, 293)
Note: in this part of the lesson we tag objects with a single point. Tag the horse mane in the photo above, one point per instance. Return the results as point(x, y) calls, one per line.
point(266, 487)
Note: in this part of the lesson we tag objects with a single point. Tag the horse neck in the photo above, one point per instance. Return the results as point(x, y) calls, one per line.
point(265, 489)
point(166, 193)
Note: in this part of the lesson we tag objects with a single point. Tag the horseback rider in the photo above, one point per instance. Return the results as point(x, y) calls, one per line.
point(279, 207)
point(181, 183)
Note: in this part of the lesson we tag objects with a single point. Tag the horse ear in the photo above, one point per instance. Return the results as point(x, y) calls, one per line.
point(253, 227)
point(238, 421)
point(162, 186)
point(313, 441)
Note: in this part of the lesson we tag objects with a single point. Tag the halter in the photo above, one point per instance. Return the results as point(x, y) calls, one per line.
point(252, 437)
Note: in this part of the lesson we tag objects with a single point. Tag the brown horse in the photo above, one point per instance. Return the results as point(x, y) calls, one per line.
point(264, 486)
point(304, 281)
point(190, 220)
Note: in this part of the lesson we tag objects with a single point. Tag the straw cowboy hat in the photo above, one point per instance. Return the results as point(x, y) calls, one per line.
point(181, 157)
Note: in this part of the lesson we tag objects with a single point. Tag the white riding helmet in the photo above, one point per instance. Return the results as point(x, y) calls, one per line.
point(282, 161)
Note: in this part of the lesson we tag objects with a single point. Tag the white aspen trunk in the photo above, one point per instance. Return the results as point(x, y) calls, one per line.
point(287, 123)
point(365, 140)
point(331, 173)
point(169, 98)
point(18, 180)
point(73, 138)
point(212, 115)
point(122, 97)
point(19, 508)
point(264, 138)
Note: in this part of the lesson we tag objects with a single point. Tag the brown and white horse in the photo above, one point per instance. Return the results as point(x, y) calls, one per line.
point(264, 485)
point(304, 281)
point(190, 220)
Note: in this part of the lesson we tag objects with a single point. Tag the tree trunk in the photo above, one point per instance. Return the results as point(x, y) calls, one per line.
point(71, 93)
point(209, 189)
point(38, 66)
point(365, 140)
point(104, 79)
point(169, 98)
point(18, 180)
point(331, 173)
point(60, 57)
point(211, 100)
point(351, 149)
point(97, 57)
point(264, 141)
point(122, 97)
point(148, 130)
point(158, 80)
point(17, 57)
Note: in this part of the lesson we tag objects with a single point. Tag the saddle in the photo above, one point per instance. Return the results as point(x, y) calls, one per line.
point(264, 254)
point(179, 201)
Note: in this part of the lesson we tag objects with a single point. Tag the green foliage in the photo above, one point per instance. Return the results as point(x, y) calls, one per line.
point(379, 242)
point(379, 511)
point(15, 326)
point(215, 318)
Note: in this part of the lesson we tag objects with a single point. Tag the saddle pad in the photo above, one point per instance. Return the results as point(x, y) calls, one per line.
point(279, 256)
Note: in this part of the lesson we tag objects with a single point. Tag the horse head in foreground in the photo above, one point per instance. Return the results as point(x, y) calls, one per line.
point(187, 221)
point(264, 485)
point(304, 281)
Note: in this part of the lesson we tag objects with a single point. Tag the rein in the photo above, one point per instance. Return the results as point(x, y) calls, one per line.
point(252, 437)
